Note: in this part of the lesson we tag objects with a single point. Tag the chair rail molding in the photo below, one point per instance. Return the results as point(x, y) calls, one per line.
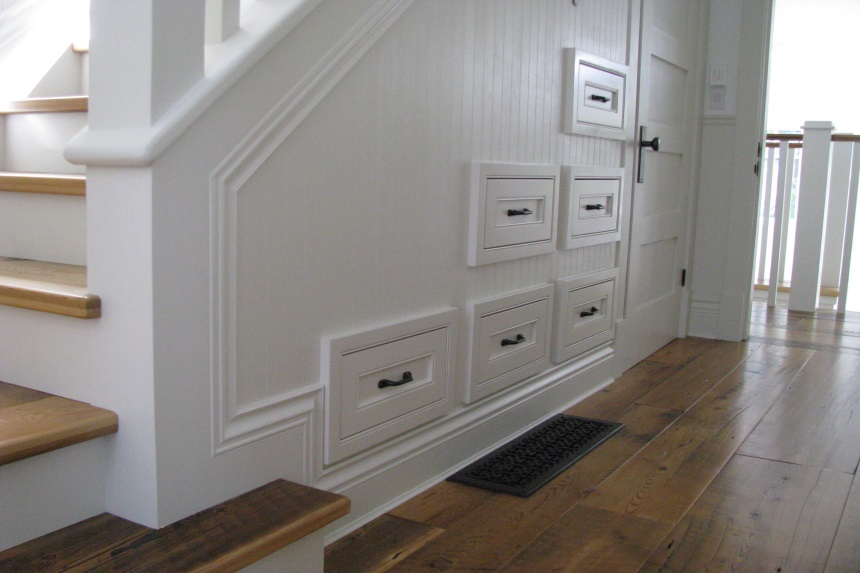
point(235, 424)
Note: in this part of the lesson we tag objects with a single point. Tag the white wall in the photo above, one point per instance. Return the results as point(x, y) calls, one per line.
point(351, 212)
point(728, 187)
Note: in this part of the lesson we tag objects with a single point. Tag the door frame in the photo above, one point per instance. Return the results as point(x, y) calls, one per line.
point(735, 305)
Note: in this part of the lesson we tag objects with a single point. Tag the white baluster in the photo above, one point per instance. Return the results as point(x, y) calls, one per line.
point(851, 213)
point(837, 200)
point(780, 223)
point(764, 215)
point(222, 20)
point(811, 215)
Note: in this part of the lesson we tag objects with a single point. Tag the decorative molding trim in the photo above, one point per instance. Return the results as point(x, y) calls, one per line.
point(704, 319)
point(364, 467)
point(234, 425)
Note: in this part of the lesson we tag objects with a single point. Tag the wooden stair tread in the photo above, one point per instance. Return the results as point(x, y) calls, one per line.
point(53, 183)
point(379, 545)
point(222, 539)
point(45, 105)
point(47, 287)
point(33, 422)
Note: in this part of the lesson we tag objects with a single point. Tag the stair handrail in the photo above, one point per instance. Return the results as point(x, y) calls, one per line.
point(263, 25)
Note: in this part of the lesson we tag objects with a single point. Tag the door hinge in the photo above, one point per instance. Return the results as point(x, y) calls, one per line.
point(757, 168)
point(684, 277)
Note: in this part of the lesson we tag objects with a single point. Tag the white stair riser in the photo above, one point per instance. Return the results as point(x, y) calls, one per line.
point(35, 141)
point(50, 491)
point(68, 76)
point(43, 227)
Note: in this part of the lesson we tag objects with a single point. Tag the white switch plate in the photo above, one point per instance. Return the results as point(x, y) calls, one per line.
point(718, 76)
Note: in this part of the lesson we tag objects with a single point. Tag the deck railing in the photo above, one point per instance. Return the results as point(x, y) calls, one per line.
point(806, 215)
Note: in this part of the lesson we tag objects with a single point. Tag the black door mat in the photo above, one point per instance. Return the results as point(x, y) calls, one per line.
point(524, 465)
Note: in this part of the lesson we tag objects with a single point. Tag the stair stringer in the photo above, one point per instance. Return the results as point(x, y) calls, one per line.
point(169, 177)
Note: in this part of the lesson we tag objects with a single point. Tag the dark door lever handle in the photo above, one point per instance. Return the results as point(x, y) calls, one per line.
point(652, 144)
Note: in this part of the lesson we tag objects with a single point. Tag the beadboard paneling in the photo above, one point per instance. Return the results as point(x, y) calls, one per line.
point(360, 216)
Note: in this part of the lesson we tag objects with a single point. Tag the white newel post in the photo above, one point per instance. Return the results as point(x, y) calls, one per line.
point(811, 216)
point(145, 54)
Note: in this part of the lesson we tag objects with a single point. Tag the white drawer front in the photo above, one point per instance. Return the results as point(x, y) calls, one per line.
point(584, 318)
point(513, 211)
point(600, 102)
point(386, 381)
point(590, 206)
point(594, 94)
point(415, 369)
point(510, 340)
point(588, 311)
point(517, 211)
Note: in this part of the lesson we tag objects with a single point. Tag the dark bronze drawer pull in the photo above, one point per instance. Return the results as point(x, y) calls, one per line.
point(594, 207)
point(516, 212)
point(600, 98)
point(407, 377)
point(509, 342)
point(594, 310)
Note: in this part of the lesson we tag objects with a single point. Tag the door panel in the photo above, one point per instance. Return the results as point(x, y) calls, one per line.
point(658, 242)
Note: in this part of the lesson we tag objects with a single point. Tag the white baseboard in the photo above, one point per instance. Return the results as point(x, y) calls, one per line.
point(385, 478)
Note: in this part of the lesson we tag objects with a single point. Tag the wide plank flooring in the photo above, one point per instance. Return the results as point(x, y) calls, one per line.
point(734, 457)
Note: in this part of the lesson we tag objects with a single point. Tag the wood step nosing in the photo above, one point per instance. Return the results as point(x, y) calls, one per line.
point(47, 287)
point(223, 538)
point(36, 422)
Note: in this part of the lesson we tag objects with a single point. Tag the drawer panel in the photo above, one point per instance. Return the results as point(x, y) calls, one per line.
point(386, 381)
point(517, 211)
point(594, 95)
point(513, 211)
point(510, 340)
point(413, 381)
point(591, 200)
point(602, 91)
point(584, 317)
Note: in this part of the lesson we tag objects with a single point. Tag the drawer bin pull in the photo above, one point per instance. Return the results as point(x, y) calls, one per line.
point(407, 377)
point(600, 98)
point(594, 310)
point(509, 342)
point(516, 212)
point(594, 207)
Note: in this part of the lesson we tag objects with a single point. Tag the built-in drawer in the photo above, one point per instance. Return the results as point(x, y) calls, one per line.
point(594, 94)
point(509, 340)
point(584, 315)
point(513, 211)
point(590, 206)
point(386, 381)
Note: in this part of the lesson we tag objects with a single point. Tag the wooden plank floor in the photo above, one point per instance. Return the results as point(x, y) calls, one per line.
point(734, 457)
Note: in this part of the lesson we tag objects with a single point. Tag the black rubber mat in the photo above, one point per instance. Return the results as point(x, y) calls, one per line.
point(526, 464)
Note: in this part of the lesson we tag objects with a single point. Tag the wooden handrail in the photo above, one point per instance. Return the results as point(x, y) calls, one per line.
point(773, 139)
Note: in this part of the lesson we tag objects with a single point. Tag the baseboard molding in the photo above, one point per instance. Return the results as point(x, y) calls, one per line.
point(704, 319)
point(386, 477)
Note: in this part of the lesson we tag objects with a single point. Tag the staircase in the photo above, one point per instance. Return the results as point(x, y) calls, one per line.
point(52, 447)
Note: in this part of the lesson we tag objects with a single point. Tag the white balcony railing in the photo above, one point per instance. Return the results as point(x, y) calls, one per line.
point(806, 216)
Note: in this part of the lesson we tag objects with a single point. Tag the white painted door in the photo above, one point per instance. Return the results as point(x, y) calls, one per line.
point(670, 39)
